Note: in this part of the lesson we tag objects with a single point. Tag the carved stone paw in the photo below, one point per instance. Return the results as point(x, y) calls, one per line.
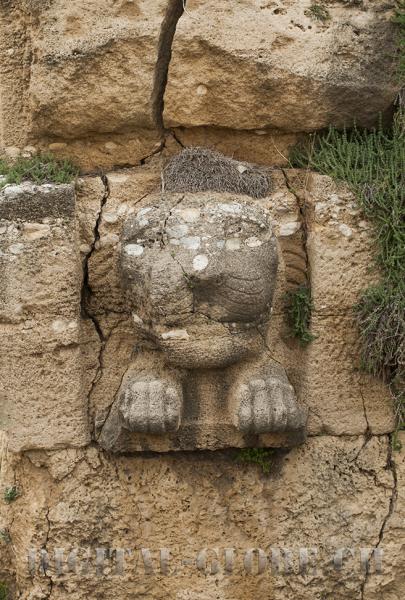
point(151, 406)
point(267, 403)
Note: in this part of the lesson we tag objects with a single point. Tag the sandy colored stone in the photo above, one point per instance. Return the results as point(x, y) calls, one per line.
point(340, 397)
point(93, 67)
point(338, 234)
point(271, 65)
point(44, 400)
point(325, 374)
point(392, 539)
point(260, 146)
point(327, 494)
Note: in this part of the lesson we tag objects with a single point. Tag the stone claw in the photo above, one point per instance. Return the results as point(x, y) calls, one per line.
point(151, 406)
point(267, 404)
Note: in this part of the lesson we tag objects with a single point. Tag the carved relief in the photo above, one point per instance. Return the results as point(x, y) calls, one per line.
point(200, 271)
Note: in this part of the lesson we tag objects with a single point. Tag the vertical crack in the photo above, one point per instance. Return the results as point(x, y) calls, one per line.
point(174, 11)
point(391, 466)
point(86, 288)
point(302, 208)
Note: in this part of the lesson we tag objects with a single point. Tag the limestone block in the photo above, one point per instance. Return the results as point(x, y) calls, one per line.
point(338, 235)
point(325, 374)
point(79, 68)
point(257, 65)
point(331, 493)
point(340, 397)
point(44, 402)
point(340, 252)
point(391, 582)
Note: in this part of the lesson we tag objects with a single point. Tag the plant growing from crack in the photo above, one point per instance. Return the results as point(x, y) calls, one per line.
point(5, 536)
point(399, 20)
point(40, 169)
point(372, 162)
point(318, 12)
point(11, 494)
point(298, 309)
point(257, 456)
point(3, 590)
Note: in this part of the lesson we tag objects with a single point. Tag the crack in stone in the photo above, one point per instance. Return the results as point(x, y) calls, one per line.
point(368, 429)
point(302, 208)
point(87, 291)
point(174, 11)
point(390, 465)
point(48, 594)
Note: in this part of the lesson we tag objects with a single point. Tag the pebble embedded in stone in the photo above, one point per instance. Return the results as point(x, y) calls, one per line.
point(190, 215)
point(134, 249)
point(175, 334)
point(202, 90)
point(16, 248)
point(191, 243)
point(345, 230)
point(253, 242)
point(289, 228)
point(232, 244)
point(200, 262)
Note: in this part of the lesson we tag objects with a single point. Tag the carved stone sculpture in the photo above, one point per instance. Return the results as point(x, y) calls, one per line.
point(200, 272)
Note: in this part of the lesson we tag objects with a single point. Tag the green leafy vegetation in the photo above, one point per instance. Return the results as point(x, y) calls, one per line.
point(373, 163)
point(39, 169)
point(5, 536)
point(11, 494)
point(3, 591)
point(299, 307)
point(318, 12)
point(399, 20)
point(257, 456)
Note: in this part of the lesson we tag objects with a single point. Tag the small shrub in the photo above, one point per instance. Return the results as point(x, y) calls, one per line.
point(395, 442)
point(299, 307)
point(318, 12)
point(372, 162)
point(11, 494)
point(39, 169)
point(257, 456)
point(399, 20)
point(3, 591)
point(5, 536)
point(198, 169)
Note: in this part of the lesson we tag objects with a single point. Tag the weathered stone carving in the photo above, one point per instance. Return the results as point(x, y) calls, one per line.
point(200, 275)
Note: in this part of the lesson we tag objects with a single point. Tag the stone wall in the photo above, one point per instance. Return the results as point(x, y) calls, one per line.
point(120, 87)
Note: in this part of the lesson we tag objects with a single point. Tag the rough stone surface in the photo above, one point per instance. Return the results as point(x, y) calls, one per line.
point(255, 65)
point(43, 397)
point(329, 494)
point(200, 274)
point(343, 487)
point(77, 78)
point(325, 375)
point(90, 68)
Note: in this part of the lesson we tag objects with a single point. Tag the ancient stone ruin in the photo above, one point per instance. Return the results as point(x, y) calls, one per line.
point(165, 433)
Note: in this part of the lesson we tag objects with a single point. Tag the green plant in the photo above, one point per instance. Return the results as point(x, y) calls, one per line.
point(373, 163)
point(399, 20)
point(5, 536)
point(318, 12)
point(11, 494)
point(257, 456)
point(395, 442)
point(39, 169)
point(3, 591)
point(299, 307)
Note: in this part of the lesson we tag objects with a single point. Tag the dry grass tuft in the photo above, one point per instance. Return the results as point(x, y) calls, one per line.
point(201, 170)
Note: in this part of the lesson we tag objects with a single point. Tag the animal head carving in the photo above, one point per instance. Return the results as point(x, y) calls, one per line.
point(200, 273)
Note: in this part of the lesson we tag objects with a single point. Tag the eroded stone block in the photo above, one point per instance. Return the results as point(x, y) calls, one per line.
point(43, 399)
point(200, 274)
